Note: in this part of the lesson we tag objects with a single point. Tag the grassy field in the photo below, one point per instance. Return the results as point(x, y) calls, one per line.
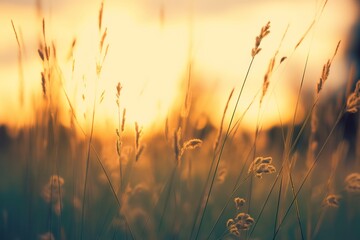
point(191, 178)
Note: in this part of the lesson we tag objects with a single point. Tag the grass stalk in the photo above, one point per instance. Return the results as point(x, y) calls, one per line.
point(226, 204)
point(216, 145)
point(222, 148)
point(167, 197)
point(87, 169)
point(20, 63)
point(316, 160)
point(264, 31)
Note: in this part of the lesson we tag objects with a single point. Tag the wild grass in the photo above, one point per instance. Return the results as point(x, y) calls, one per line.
point(216, 181)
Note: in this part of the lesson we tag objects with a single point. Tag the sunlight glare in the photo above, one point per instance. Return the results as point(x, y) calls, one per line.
point(149, 57)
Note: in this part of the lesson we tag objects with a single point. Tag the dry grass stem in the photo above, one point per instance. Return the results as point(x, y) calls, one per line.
point(138, 133)
point(103, 37)
point(43, 28)
point(351, 79)
point(71, 50)
point(118, 143)
point(43, 84)
point(20, 62)
point(102, 96)
point(118, 91)
point(177, 144)
point(101, 15)
point(16, 35)
point(217, 141)
point(123, 119)
point(41, 54)
point(53, 49)
point(314, 139)
point(139, 148)
point(46, 49)
point(267, 78)
point(139, 152)
point(166, 130)
point(305, 34)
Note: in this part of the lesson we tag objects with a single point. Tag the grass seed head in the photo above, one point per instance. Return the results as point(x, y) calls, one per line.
point(230, 223)
point(123, 120)
point(353, 101)
point(265, 30)
point(332, 200)
point(192, 144)
point(262, 165)
point(352, 183)
point(267, 76)
point(239, 202)
point(101, 15)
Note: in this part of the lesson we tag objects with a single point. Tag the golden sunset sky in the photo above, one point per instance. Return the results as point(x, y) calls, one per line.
point(151, 43)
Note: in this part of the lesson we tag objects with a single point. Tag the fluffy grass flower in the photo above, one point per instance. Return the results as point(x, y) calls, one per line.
point(332, 200)
point(352, 182)
point(242, 222)
point(262, 165)
point(239, 202)
point(52, 193)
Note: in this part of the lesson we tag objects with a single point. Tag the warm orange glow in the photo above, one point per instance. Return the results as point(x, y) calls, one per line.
point(149, 56)
point(146, 60)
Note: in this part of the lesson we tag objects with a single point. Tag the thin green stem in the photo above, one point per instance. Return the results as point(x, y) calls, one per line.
point(222, 147)
point(309, 171)
point(278, 204)
point(87, 169)
point(198, 209)
point(225, 206)
point(281, 168)
point(171, 182)
point(297, 207)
